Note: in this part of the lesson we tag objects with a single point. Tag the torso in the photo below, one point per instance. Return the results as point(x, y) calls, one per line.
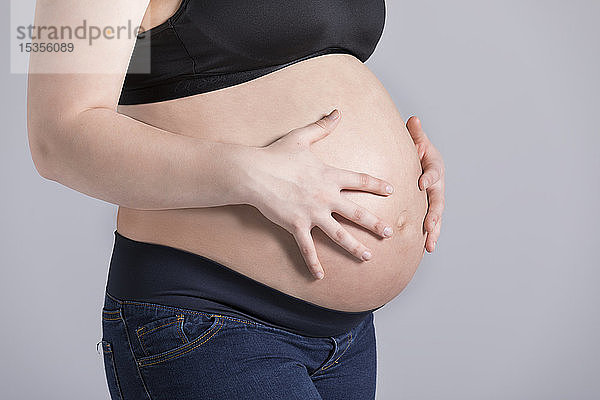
point(371, 137)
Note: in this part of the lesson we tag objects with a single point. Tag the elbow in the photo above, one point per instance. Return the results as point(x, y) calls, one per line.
point(54, 142)
point(42, 166)
point(40, 147)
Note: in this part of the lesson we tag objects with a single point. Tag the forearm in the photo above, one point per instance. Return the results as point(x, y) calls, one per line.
point(120, 160)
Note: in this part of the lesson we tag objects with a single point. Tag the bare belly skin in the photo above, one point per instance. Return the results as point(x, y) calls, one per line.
point(371, 137)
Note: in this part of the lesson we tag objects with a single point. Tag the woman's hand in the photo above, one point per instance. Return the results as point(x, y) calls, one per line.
point(293, 188)
point(432, 180)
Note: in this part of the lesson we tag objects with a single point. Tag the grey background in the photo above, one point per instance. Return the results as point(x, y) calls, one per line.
point(507, 306)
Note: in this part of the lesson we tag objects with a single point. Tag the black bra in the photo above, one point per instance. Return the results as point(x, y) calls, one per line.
point(209, 45)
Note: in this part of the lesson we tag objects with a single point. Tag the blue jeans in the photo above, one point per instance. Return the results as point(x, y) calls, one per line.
point(157, 352)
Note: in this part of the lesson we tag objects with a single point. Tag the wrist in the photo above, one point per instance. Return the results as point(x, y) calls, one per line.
point(243, 184)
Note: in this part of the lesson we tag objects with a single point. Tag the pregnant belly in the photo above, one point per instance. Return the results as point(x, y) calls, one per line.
point(371, 137)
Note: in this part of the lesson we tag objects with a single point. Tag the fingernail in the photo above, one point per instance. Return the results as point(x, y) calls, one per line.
point(389, 189)
point(320, 275)
point(366, 255)
point(388, 231)
point(334, 114)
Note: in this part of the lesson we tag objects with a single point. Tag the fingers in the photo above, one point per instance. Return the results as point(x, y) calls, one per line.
point(360, 181)
point(432, 237)
point(309, 253)
point(431, 160)
point(431, 180)
point(341, 236)
point(416, 130)
point(433, 219)
point(319, 129)
point(363, 217)
point(432, 170)
point(436, 207)
point(432, 165)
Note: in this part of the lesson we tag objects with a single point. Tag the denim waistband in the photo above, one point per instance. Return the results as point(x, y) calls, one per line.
point(160, 274)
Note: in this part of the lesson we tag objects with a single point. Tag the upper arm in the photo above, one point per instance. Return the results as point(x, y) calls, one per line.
point(92, 74)
point(63, 84)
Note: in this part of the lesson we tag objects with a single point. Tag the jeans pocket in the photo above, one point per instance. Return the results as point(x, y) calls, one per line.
point(162, 335)
point(112, 378)
point(173, 336)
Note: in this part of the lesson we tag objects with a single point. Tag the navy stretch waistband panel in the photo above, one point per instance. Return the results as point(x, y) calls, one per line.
point(160, 274)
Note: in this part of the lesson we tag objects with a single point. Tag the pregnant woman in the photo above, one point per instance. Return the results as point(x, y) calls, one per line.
point(257, 229)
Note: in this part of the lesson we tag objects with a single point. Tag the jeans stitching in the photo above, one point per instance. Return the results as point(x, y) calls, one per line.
point(140, 333)
point(180, 330)
point(141, 341)
point(132, 353)
point(218, 322)
point(159, 359)
point(115, 372)
point(196, 312)
point(111, 319)
point(324, 367)
point(189, 311)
